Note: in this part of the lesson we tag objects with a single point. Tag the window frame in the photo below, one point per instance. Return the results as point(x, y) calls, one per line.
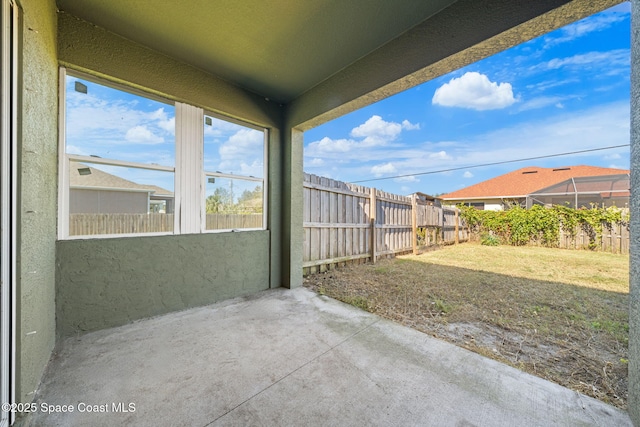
point(9, 49)
point(263, 180)
point(189, 160)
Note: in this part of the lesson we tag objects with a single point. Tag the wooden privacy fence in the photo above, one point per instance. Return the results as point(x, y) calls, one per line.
point(614, 238)
point(90, 224)
point(347, 222)
point(232, 221)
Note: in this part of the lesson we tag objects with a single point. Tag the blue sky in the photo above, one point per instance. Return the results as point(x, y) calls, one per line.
point(562, 92)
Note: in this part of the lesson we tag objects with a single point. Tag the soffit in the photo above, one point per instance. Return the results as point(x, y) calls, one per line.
point(279, 49)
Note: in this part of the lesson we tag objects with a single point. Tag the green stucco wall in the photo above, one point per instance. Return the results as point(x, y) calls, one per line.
point(91, 49)
point(292, 214)
point(37, 193)
point(110, 282)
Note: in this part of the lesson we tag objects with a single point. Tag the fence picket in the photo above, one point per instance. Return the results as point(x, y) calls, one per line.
point(338, 228)
point(94, 224)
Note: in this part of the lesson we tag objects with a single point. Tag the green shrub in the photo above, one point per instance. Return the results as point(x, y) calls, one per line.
point(489, 240)
point(539, 225)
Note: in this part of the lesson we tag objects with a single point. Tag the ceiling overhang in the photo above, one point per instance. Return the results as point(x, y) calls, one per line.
point(324, 58)
point(278, 49)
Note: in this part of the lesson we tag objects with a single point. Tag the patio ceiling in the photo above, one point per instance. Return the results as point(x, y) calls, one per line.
point(324, 58)
point(278, 49)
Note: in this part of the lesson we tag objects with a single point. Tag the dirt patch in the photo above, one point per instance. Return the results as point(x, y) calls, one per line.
point(574, 334)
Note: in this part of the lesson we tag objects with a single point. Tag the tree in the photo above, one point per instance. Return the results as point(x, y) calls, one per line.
point(219, 201)
point(250, 201)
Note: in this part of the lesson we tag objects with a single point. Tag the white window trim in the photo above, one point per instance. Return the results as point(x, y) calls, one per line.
point(8, 193)
point(64, 159)
point(189, 152)
point(189, 175)
point(63, 162)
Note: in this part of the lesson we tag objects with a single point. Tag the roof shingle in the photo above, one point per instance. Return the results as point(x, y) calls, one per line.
point(527, 180)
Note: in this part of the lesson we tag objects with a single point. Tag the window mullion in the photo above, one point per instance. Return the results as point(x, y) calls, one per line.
point(189, 148)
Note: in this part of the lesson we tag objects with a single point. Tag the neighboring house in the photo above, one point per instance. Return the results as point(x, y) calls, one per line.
point(570, 185)
point(92, 190)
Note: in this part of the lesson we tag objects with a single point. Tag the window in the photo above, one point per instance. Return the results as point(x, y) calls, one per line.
point(132, 163)
point(477, 205)
point(234, 173)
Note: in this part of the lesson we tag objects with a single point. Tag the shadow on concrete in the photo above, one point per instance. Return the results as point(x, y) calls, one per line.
point(576, 336)
point(291, 357)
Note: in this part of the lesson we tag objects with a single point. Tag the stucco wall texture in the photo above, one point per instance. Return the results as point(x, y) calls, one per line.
point(96, 51)
point(104, 283)
point(38, 162)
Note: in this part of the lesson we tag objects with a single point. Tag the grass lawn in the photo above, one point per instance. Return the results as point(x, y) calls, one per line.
point(558, 314)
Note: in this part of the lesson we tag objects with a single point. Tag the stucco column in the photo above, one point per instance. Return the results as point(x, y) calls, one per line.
point(292, 208)
point(634, 271)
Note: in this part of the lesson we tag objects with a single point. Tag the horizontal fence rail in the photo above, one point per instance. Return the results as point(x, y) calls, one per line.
point(351, 223)
point(92, 224)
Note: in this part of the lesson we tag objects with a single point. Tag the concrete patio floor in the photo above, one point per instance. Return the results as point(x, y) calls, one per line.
point(291, 357)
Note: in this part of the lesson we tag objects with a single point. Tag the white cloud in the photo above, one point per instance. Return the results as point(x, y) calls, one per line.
point(243, 148)
point(253, 169)
point(242, 144)
point(316, 161)
point(475, 91)
point(114, 125)
point(327, 146)
point(614, 156)
point(467, 174)
point(559, 105)
point(407, 125)
point(142, 135)
point(377, 127)
point(540, 102)
point(610, 59)
point(604, 125)
point(169, 125)
point(439, 155)
point(581, 28)
point(385, 169)
point(564, 131)
point(411, 178)
point(549, 84)
point(377, 131)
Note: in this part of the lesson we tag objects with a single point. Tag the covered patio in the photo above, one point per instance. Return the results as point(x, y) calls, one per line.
point(291, 357)
point(115, 319)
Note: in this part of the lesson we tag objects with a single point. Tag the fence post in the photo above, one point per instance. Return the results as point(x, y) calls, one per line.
point(456, 240)
point(372, 218)
point(414, 223)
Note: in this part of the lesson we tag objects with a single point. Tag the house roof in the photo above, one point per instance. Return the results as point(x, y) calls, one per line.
point(99, 179)
point(527, 180)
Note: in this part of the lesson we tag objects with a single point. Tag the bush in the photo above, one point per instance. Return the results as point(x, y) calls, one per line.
point(539, 225)
point(489, 240)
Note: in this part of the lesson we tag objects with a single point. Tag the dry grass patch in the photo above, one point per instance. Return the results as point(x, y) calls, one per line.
point(558, 314)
